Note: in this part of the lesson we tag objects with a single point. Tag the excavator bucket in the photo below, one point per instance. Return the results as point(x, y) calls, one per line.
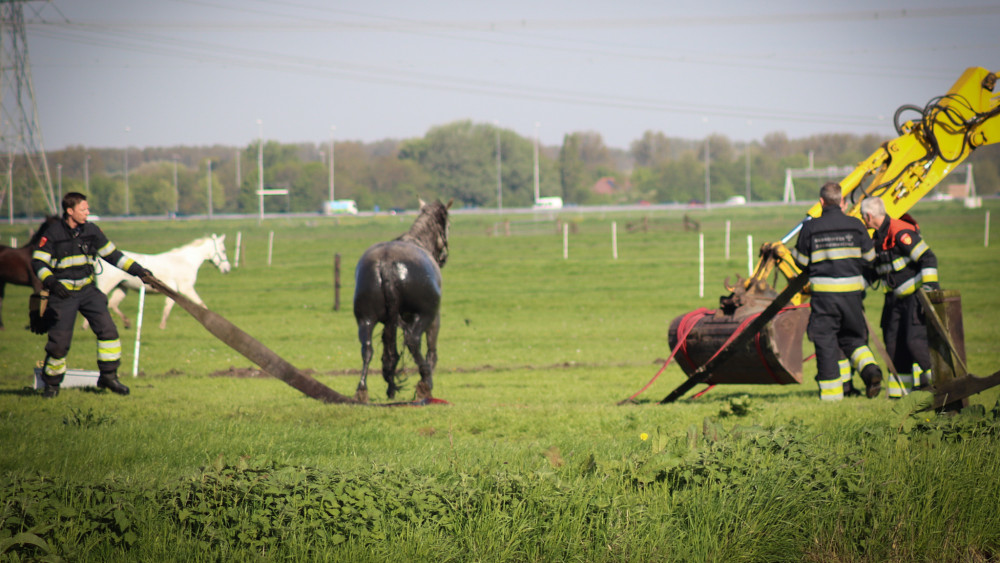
point(953, 384)
point(773, 355)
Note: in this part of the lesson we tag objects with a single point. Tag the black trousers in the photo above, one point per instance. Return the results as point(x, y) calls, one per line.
point(93, 305)
point(836, 326)
point(904, 329)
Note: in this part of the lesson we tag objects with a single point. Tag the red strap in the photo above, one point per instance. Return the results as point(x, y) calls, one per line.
point(414, 403)
point(684, 327)
point(737, 332)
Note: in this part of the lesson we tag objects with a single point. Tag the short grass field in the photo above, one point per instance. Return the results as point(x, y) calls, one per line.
point(532, 459)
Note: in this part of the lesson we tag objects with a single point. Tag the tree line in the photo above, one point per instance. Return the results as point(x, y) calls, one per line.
point(479, 165)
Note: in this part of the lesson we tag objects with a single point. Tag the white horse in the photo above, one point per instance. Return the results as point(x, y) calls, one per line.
point(177, 269)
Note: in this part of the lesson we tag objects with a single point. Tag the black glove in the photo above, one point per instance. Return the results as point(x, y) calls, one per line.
point(55, 287)
point(138, 271)
point(41, 318)
point(931, 286)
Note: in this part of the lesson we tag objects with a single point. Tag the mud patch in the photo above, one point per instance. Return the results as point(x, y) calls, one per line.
point(249, 372)
point(234, 371)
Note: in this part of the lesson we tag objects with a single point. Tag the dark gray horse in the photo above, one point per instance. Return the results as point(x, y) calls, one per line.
point(398, 284)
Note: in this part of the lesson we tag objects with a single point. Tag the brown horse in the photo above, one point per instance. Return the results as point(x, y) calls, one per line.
point(15, 265)
point(398, 284)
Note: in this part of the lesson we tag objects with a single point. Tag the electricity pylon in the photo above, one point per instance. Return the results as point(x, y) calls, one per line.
point(20, 130)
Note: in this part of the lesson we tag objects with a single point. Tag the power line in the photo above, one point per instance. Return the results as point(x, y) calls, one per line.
point(153, 37)
point(208, 52)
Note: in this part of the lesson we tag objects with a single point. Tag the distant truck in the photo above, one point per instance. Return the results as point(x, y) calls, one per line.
point(549, 203)
point(340, 207)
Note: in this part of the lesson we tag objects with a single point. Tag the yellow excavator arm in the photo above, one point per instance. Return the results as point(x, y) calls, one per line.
point(902, 171)
point(754, 323)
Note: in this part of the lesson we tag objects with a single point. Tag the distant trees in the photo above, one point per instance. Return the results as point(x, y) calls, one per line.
point(455, 160)
point(460, 162)
point(583, 160)
point(151, 189)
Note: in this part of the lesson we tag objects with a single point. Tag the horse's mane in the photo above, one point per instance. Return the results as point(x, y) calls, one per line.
point(41, 230)
point(198, 241)
point(429, 230)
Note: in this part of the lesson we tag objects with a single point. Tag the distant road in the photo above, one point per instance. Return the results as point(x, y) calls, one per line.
point(462, 211)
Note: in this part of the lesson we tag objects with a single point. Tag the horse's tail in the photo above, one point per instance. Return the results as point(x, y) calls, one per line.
point(390, 294)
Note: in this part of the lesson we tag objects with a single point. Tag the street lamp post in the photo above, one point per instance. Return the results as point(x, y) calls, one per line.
point(210, 188)
point(499, 183)
point(59, 179)
point(748, 171)
point(86, 174)
point(333, 128)
point(127, 129)
point(177, 194)
point(708, 179)
point(260, 168)
point(10, 190)
point(536, 162)
point(749, 143)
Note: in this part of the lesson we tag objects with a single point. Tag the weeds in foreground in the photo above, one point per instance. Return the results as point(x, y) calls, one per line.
point(740, 478)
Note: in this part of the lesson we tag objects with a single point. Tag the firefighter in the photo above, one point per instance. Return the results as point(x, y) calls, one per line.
point(64, 261)
point(905, 264)
point(836, 250)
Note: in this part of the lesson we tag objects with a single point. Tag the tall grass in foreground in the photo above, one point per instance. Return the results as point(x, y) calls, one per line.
point(532, 461)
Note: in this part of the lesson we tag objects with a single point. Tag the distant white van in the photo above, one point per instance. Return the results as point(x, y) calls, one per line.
point(340, 207)
point(549, 203)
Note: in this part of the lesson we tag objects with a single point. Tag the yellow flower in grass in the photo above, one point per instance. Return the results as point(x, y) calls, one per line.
point(643, 436)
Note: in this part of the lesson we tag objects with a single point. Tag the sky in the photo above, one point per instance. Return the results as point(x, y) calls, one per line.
point(159, 73)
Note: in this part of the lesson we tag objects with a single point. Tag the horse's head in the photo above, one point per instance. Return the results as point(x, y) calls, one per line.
point(218, 256)
point(431, 228)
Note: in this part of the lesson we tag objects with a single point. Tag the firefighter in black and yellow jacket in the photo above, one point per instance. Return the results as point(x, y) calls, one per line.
point(64, 261)
point(905, 264)
point(836, 250)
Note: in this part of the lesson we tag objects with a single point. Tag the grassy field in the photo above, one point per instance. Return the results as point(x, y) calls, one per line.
point(532, 460)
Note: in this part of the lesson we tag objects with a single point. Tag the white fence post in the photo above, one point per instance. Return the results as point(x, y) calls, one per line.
point(138, 330)
point(701, 264)
point(986, 236)
point(614, 239)
point(727, 239)
point(239, 241)
point(270, 248)
point(565, 241)
point(749, 255)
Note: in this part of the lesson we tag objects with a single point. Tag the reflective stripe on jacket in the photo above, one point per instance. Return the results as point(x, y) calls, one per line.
point(904, 260)
point(835, 250)
point(70, 254)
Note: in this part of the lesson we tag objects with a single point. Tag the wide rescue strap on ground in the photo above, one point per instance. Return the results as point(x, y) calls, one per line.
point(253, 350)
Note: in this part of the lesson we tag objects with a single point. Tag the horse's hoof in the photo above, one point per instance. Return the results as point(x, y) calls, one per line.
point(423, 391)
point(361, 395)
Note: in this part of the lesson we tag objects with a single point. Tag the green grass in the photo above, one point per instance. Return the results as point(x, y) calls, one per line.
point(532, 460)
